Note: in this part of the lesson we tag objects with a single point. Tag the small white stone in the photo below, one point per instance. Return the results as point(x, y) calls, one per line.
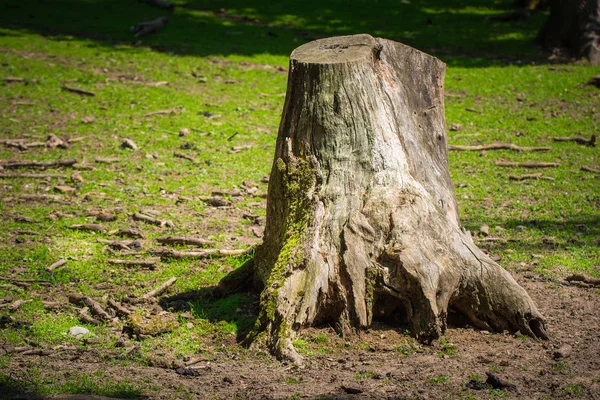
point(78, 331)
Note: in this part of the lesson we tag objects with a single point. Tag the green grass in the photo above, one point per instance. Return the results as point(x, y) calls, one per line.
point(229, 66)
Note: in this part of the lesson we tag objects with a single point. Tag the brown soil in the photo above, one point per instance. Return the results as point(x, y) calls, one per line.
point(370, 364)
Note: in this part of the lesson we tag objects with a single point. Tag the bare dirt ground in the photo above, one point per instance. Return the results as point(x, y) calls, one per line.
point(370, 366)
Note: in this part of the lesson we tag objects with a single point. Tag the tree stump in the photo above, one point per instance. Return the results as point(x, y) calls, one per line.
point(362, 220)
point(574, 24)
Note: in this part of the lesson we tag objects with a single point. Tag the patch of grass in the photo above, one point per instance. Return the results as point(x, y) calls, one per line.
point(447, 348)
point(438, 380)
point(575, 390)
point(92, 384)
point(498, 394)
point(561, 366)
point(406, 347)
point(302, 346)
point(362, 375)
point(293, 380)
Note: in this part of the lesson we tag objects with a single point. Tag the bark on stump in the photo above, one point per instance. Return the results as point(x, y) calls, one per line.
point(362, 220)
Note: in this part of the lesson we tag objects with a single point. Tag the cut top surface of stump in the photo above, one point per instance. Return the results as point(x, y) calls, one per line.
point(335, 50)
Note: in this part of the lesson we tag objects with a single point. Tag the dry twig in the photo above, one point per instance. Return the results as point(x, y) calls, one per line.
point(577, 139)
point(40, 164)
point(497, 146)
point(529, 176)
point(526, 164)
point(135, 263)
point(183, 240)
point(160, 289)
point(78, 90)
point(590, 169)
point(168, 253)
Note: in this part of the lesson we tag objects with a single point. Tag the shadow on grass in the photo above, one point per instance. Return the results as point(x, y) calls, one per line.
point(576, 234)
point(231, 313)
point(457, 31)
point(79, 384)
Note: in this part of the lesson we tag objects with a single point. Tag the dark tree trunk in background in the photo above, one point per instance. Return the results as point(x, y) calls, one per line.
point(362, 220)
point(574, 24)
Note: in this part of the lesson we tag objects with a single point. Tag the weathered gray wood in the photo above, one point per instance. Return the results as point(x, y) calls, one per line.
point(362, 219)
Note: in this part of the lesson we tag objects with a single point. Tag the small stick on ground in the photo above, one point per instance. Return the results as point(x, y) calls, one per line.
point(529, 176)
point(184, 240)
point(497, 146)
point(11, 79)
point(57, 264)
point(94, 306)
point(115, 244)
point(51, 305)
point(152, 220)
point(131, 232)
point(160, 289)
point(109, 160)
point(167, 253)
point(583, 279)
point(78, 90)
point(577, 139)
point(33, 176)
point(14, 306)
point(40, 164)
point(85, 317)
point(34, 197)
point(185, 157)
point(526, 164)
point(135, 263)
point(122, 311)
point(590, 169)
point(160, 112)
point(88, 227)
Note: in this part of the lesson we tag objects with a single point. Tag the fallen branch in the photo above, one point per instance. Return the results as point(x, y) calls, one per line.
point(84, 317)
point(183, 240)
point(12, 79)
point(33, 176)
point(185, 157)
point(160, 289)
point(577, 139)
point(529, 176)
point(109, 160)
point(143, 28)
point(590, 169)
point(78, 90)
point(57, 264)
point(152, 220)
point(497, 146)
point(14, 306)
point(122, 311)
point(34, 197)
point(580, 278)
point(94, 306)
point(115, 244)
point(161, 112)
point(132, 233)
point(22, 164)
point(526, 164)
point(135, 263)
point(88, 227)
point(168, 253)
